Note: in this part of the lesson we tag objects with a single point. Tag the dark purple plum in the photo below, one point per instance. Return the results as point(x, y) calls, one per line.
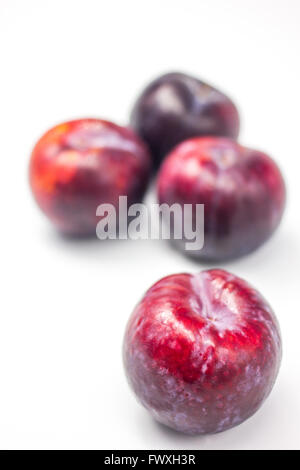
point(175, 107)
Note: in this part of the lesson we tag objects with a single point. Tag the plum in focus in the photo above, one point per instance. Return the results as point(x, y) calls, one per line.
point(202, 352)
point(175, 107)
point(242, 190)
point(80, 164)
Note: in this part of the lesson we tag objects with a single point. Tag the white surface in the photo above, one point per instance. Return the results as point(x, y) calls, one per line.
point(64, 305)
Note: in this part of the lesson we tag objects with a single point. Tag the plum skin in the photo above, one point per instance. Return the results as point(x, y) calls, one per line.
point(79, 164)
point(242, 190)
point(202, 352)
point(175, 107)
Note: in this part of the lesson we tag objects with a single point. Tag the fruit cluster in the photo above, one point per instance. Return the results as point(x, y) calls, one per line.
point(201, 351)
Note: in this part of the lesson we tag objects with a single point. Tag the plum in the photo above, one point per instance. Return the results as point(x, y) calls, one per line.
point(202, 351)
point(242, 190)
point(175, 107)
point(81, 164)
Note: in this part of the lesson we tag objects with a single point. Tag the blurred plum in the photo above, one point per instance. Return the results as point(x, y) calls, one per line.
point(80, 164)
point(242, 190)
point(175, 107)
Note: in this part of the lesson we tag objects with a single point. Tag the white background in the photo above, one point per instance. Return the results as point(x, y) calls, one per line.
point(63, 304)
